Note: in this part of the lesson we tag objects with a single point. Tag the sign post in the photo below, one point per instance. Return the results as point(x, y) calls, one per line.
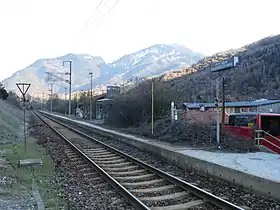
point(23, 88)
point(218, 113)
point(223, 108)
point(217, 67)
point(172, 112)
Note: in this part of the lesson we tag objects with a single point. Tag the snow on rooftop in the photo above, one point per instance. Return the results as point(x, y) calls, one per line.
point(262, 99)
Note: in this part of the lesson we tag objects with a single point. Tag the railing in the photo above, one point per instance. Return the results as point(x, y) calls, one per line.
point(259, 137)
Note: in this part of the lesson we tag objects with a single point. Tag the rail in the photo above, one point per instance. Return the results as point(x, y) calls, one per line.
point(184, 185)
point(124, 192)
point(259, 137)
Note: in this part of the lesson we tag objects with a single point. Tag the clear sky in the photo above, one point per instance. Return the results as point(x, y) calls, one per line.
point(33, 29)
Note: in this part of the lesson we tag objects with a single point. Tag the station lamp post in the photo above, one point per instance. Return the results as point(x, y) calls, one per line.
point(217, 67)
point(70, 83)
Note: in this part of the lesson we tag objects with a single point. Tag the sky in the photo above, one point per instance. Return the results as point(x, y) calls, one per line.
point(34, 29)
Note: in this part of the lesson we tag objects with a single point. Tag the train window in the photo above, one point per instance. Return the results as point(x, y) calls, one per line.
point(242, 120)
point(271, 124)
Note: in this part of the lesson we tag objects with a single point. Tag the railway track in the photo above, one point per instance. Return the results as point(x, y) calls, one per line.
point(144, 186)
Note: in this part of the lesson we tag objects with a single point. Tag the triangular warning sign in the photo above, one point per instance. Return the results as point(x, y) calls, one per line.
point(23, 87)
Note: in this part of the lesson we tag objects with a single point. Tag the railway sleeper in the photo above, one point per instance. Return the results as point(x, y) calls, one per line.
point(119, 160)
point(100, 151)
point(87, 169)
point(102, 156)
point(74, 158)
point(188, 205)
point(177, 195)
point(107, 159)
point(121, 169)
point(126, 178)
point(110, 164)
point(154, 189)
point(93, 179)
point(143, 183)
point(81, 166)
point(128, 172)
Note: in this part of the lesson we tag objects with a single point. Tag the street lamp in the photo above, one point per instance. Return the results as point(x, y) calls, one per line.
point(65, 89)
point(90, 102)
point(51, 97)
point(70, 82)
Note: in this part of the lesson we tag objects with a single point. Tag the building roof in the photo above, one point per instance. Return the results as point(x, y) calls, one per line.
point(98, 97)
point(232, 104)
point(104, 100)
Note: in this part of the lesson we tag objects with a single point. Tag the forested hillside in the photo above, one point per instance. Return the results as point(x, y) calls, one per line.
point(257, 76)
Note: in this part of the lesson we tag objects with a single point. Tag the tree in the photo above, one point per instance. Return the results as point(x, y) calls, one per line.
point(14, 99)
point(134, 106)
point(3, 93)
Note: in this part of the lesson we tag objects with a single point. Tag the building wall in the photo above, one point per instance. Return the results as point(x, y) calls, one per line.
point(112, 91)
point(266, 108)
point(198, 116)
point(235, 109)
point(102, 109)
point(244, 109)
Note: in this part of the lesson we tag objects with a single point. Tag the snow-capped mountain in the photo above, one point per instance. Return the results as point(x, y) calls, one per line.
point(36, 73)
point(150, 61)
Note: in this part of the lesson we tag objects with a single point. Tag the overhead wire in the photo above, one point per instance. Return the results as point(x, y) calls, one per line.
point(94, 21)
point(99, 25)
point(93, 16)
point(99, 4)
point(113, 6)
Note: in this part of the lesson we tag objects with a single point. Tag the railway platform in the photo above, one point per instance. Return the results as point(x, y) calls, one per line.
point(258, 171)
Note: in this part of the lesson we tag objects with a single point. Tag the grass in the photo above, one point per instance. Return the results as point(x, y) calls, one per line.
point(43, 175)
point(11, 121)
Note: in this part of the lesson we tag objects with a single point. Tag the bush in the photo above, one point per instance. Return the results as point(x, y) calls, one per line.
point(14, 99)
point(135, 106)
point(3, 93)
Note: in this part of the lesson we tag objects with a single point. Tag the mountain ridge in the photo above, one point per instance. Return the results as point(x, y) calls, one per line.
point(256, 76)
point(149, 61)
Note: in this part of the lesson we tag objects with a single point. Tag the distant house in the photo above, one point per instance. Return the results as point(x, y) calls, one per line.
point(261, 105)
point(102, 107)
point(104, 103)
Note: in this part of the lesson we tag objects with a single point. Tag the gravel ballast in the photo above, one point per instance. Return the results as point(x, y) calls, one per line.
point(221, 188)
point(77, 191)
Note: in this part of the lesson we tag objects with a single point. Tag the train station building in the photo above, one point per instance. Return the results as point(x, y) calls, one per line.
point(104, 103)
point(262, 105)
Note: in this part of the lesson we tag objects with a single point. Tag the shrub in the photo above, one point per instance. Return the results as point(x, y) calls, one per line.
point(135, 106)
point(3, 94)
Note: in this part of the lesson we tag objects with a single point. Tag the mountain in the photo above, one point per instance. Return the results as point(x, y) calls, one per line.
point(256, 76)
point(150, 61)
point(36, 73)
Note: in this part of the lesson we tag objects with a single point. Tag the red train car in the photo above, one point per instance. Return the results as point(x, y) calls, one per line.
point(264, 128)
